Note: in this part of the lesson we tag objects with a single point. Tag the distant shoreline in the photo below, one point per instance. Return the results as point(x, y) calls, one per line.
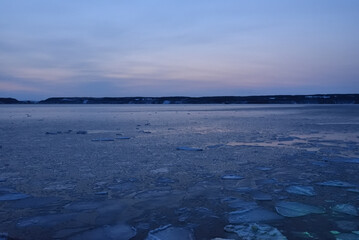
point(267, 99)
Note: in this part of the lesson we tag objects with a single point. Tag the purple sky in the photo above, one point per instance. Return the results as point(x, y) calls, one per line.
point(187, 48)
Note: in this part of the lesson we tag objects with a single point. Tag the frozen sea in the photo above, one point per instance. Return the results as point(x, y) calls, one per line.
point(179, 172)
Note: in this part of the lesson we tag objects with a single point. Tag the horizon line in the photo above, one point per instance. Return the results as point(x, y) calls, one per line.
point(182, 96)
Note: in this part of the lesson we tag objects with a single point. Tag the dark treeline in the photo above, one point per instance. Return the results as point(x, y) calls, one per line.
point(272, 99)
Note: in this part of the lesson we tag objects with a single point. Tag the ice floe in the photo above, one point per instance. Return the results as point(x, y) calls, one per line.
point(83, 206)
point(232, 177)
point(345, 208)
point(255, 231)
point(346, 236)
point(296, 209)
point(169, 232)
point(13, 196)
point(337, 183)
point(46, 220)
point(253, 215)
point(301, 190)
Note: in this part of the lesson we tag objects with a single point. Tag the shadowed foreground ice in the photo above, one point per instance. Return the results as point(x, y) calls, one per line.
point(179, 172)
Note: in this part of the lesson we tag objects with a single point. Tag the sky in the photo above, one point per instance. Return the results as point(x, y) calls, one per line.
point(123, 48)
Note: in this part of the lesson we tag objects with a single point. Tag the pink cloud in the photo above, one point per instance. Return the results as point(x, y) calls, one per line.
point(8, 86)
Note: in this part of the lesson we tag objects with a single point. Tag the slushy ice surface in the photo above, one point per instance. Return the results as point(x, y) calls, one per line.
point(179, 171)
